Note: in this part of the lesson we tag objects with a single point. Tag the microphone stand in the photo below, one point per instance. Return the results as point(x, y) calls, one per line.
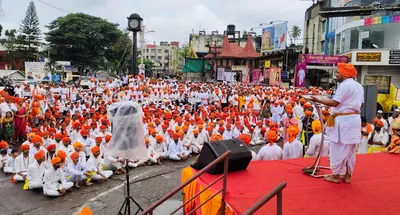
point(314, 169)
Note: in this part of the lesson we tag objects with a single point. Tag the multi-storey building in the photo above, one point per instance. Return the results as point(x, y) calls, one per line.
point(165, 57)
point(371, 42)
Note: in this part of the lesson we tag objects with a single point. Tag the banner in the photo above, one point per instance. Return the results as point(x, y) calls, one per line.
point(245, 75)
point(300, 79)
point(220, 74)
point(274, 37)
point(322, 59)
point(230, 77)
point(37, 71)
point(267, 73)
point(275, 77)
point(256, 76)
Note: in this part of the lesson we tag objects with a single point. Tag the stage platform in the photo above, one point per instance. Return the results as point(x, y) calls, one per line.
point(375, 188)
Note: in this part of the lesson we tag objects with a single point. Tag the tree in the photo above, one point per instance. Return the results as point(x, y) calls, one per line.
point(10, 44)
point(295, 33)
point(1, 29)
point(30, 36)
point(120, 53)
point(83, 39)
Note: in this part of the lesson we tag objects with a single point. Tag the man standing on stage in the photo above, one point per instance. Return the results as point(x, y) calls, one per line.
point(343, 126)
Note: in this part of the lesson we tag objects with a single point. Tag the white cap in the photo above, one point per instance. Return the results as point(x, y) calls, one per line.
point(379, 111)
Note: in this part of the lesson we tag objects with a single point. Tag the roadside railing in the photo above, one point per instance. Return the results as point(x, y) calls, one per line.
point(224, 157)
point(277, 191)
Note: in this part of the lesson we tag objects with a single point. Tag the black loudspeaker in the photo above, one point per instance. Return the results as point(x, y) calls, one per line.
point(239, 158)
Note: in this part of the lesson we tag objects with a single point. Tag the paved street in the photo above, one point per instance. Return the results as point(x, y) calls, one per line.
point(148, 184)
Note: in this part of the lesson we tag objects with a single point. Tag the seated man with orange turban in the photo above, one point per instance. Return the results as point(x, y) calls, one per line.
point(34, 177)
point(96, 165)
point(378, 138)
point(160, 147)
point(22, 163)
point(293, 148)
point(176, 149)
point(196, 142)
point(271, 151)
point(54, 183)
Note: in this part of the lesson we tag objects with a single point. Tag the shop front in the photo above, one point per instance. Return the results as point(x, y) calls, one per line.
point(317, 70)
point(376, 62)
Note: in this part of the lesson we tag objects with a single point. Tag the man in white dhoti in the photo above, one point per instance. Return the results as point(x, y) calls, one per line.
point(343, 127)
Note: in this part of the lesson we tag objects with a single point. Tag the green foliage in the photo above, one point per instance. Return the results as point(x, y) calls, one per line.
point(30, 35)
point(1, 30)
point(87, 41)
point(295, 32)
point(120, 53)
point(10, 44)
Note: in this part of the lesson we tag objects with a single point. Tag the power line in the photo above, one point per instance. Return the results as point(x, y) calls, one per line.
point(55, 7)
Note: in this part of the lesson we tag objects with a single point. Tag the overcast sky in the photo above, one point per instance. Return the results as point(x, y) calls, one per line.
point(172, 20)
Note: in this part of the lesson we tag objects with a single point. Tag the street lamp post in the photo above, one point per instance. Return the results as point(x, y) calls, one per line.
point(134, 25)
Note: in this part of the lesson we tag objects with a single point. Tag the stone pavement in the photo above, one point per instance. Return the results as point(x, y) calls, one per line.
point(147, 185)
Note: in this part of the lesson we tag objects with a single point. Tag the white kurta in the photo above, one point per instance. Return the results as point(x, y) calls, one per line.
point(344, 136)
point(51, 183)
point(292, 150)
point(315, 145)
point(269, 152)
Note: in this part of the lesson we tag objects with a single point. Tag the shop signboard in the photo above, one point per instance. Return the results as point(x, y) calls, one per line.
point(322, 59)
point(382, 82)
point(369, 57)
point(394, 57)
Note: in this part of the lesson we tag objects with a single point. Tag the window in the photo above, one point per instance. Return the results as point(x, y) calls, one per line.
point(152, 58)
point(159, 50)
point(159, 58)
point(166, 51)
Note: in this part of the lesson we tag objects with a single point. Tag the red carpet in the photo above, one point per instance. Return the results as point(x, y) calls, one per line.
point(375, 187)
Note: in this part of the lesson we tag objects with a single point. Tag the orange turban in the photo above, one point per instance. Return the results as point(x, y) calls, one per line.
point(3, 144)
point(316, 126)
point(152, 131)
point(216, 137)
point(55, 160)
point(51, 146)
point(289, 111)
point(245, 138)
point(66, 139)
point(95, 149)
point(61, 154)
point(74, 155)
point(221, 129)
point(347, 70)
point(272, 136)
point(38, 155)
point(108, 138)
point(24, 147)
point(308, 113)
point(195, 131)
point(84, 133)
point(293, 131)
point(59, 136)
point(177, 128)
point(77, 144)
point(159, 138)
point(379, 123)
point(98, 139)
point(185, 128)
point(36, 139)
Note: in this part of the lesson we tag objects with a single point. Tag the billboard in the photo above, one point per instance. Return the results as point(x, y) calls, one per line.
point(274, 37)
point(275, 77)
point(37, 71)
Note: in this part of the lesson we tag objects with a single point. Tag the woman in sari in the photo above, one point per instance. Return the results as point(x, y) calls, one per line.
point(20, 120)
point(8, 126)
